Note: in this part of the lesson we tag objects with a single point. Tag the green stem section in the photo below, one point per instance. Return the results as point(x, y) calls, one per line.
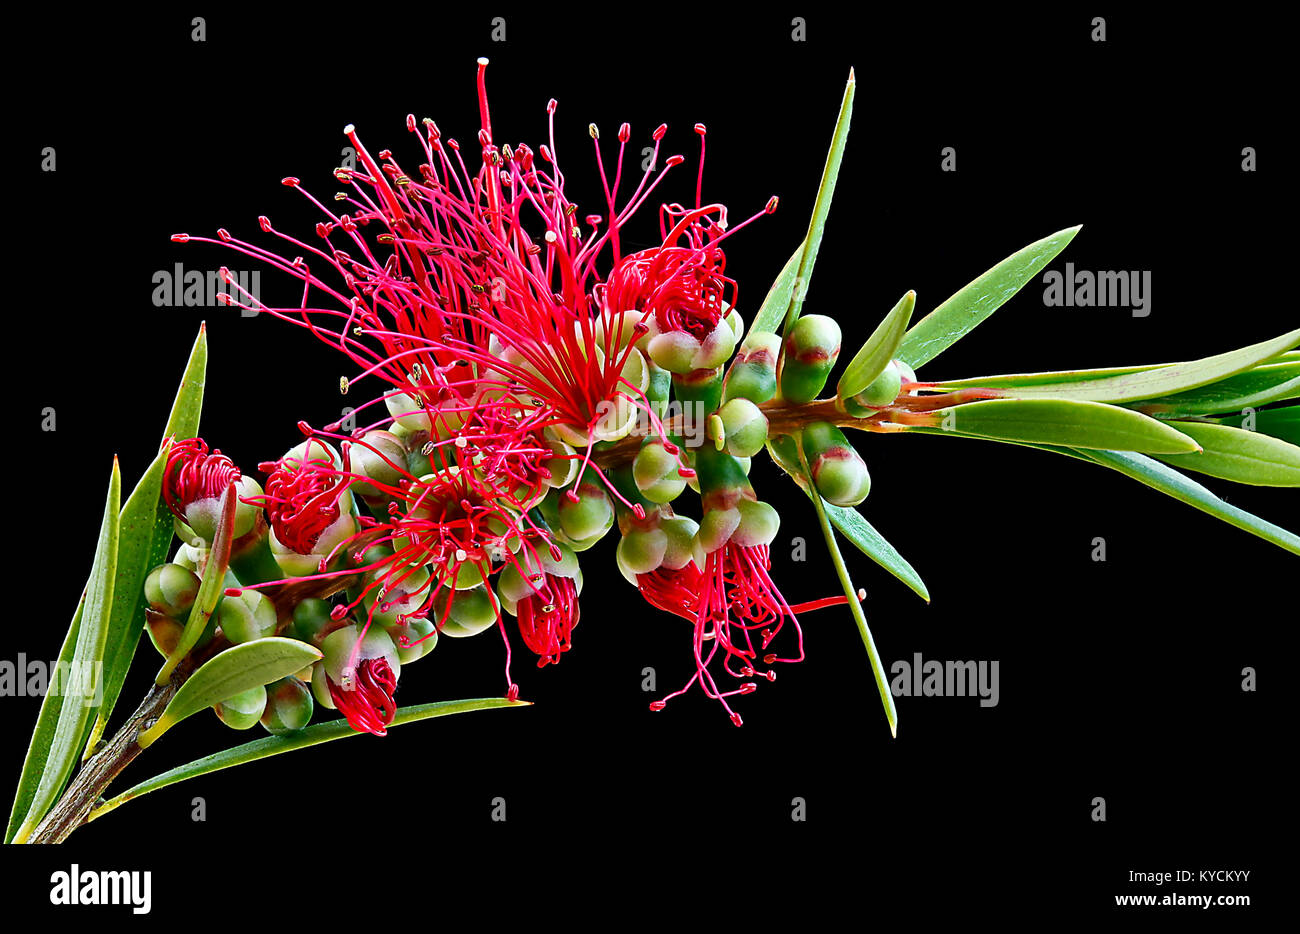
point(837, 559)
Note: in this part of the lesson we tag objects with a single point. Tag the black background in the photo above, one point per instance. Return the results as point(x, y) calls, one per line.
point(1118, 679)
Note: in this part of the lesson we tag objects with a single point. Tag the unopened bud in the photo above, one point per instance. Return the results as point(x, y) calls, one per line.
point(171, 589)
point(811, 349)
point(246, 617)
point(244, 710)
point(656, 473)
point(288, 706)
point(745, 427)
point(753, 373)
point(838, 471)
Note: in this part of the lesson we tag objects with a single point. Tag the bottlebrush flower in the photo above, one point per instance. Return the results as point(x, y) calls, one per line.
point(309, 505)
point(193, 482)
point(357, 675)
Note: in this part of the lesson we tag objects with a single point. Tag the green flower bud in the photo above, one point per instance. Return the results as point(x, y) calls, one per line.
point(737, 323)
point(811, 348)
point(655, 472)
point(336, 648)
point(838, 471)
point(716, 528)
point(591, 515)
point(622, 328)
point(415, 638)
point(699, 388)
point(641, 551)
point(288, 706)
point(745, 427)
point(311, 617)
point(246, 617)
point(681, 352)
point(379, 455)
point(682, 546)
point(884, 388)
point(404, 593)
point(659, 387)
point(759, 523)
point(171, 589)
point(320, 688)
point(407, 412)
point(243, 710)
point(471, 612)
point(519, 581)
point(753, 373)
point(203, 515)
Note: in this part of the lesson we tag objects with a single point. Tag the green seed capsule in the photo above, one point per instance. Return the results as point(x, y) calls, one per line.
point(753, 373)
point(745, 427)
point(171, 589)
point(838, 471)
point(246, 617)
point(243, 710)
point(759, 523)
point(811, 349)
point(288, 706)
point(656, 472)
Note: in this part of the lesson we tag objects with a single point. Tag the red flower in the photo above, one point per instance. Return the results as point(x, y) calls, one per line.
point(192, 475)
point(368, 704)
point(547, 618)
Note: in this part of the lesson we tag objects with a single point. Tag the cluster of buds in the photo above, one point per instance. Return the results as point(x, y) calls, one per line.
point(531, 403)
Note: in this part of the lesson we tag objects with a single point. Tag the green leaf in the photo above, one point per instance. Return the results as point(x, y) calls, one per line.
point(1141, 382)
point(183, 422)
point(822, 207)
point(1160, 477)
point(38, 750)
point(68, 729)
point(1240, 456)
point(1281, 423)
point(313, 735)
point(854, 526)
point(239, 668)
point(136, 551)
point(855, 606)
point(871, 360)
point(779, 296)
point(955, 318)
point(1274, 382)
point(210, 588)
point(1062, 422)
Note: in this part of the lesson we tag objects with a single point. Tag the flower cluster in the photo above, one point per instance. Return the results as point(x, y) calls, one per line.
point(529, 368)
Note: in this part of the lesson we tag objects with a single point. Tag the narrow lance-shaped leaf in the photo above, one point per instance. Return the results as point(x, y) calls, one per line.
point(38, 749)
point(777, 303)
point(237, 669)
point(136, 552)
point(1273, 382)
point(850, 522)
point(822, 207)
point(871, 360)
point(1241, 456)
point(1169, 481)
point(955, 318)
point(313, 735)
point(1062, 422)
point(1281, 423)
point(81, 683)
point(210, 588)
point(1143, 382)
point(146, 537)
point(855, 606)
